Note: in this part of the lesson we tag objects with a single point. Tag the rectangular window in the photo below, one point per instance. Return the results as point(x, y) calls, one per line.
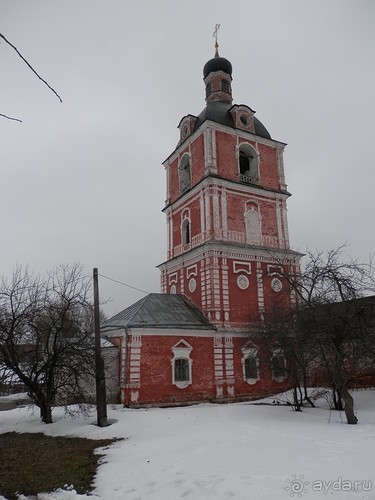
point(225, 86)
point(278, 366)
point(251, 367)
point(181, 370)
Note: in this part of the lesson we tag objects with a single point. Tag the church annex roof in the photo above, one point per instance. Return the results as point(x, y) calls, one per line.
point(158, 310)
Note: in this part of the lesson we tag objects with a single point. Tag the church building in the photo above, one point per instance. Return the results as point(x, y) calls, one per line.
point(227, 255)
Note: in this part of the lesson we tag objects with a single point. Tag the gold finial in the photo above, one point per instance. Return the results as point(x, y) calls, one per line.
point(214, 34)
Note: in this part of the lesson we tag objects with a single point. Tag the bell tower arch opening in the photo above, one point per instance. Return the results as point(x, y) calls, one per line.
point(184, 173)
point(248, 164)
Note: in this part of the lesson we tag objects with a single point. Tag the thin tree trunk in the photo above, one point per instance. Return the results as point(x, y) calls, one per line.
point(349, 406)
point(297, 406)
point(306, 397)
point(337, 400)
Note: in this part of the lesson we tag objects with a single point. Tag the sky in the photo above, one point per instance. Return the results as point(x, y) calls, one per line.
point(82, 180)
point(236, 451)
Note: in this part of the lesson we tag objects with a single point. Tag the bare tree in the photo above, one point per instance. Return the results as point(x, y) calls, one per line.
point(46, 338)
point(282, 331)
point(331, 328)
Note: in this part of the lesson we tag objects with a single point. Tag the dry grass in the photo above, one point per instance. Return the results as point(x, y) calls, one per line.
point(35, 463)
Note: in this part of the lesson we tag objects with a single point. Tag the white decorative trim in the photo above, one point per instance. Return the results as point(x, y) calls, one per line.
point(203, 284)
point(285, 221)
point(243, 282)
point(276, 285)
point(209, 151)
point(250, 352)
point(280, 164)
point(216, 213)
point(280, 232)
point(253, 226)
point(181, 350)
point(225, 288)
point(192, 271)
point(230, 391)
point(123, 348)
point(260, 290)
point(224, 213)
point(274, 270)
point(218, 364)
point(134, 396)
point(192, 285)
point(173, 290)
point(229, 367)
point(201, 209)
point(239, 267)
point(135, 345)
point(207, 210)
point(172, 278)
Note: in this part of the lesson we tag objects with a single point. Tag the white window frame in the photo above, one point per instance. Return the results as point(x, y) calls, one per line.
point(250, 352)
point(184, 173)
point(253, 156)
point(182, 350)
point(278, 352)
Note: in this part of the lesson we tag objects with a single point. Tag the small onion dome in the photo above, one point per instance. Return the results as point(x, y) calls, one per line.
point(217, 64)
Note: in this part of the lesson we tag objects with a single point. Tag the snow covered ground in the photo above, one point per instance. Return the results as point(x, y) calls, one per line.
point(235, 451)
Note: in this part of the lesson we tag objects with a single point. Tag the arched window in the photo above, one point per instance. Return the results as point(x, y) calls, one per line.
point(185, 230)
point(250, 365)
point(184, 173)
point(181, 364)
point(278, 365)
point(248, 163)
point(252, 226)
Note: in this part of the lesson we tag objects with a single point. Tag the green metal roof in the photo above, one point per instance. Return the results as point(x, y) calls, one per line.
point(158, 310)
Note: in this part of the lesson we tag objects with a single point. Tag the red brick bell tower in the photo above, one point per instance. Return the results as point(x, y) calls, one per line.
point(228, 242)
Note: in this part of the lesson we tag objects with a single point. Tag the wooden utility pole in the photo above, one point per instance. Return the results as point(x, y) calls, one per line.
point(101, 403)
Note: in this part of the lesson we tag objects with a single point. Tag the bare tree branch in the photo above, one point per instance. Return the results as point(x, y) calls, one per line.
point(33, 70)
point(29, 65)
point(10, 118)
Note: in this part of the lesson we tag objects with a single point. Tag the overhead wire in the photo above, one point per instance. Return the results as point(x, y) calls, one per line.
point(122, 283)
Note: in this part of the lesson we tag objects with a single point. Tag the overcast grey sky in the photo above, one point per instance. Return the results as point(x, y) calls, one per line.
point(83, 181)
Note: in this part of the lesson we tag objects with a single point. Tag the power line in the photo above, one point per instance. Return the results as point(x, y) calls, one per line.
point(121, 283)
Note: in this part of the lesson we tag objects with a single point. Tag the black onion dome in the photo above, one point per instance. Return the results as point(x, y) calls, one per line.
point(218, 111)
point(217, 64)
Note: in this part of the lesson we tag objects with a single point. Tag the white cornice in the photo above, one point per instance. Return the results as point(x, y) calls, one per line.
point(232, 186)
point(230, 251)
point(172, 332)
